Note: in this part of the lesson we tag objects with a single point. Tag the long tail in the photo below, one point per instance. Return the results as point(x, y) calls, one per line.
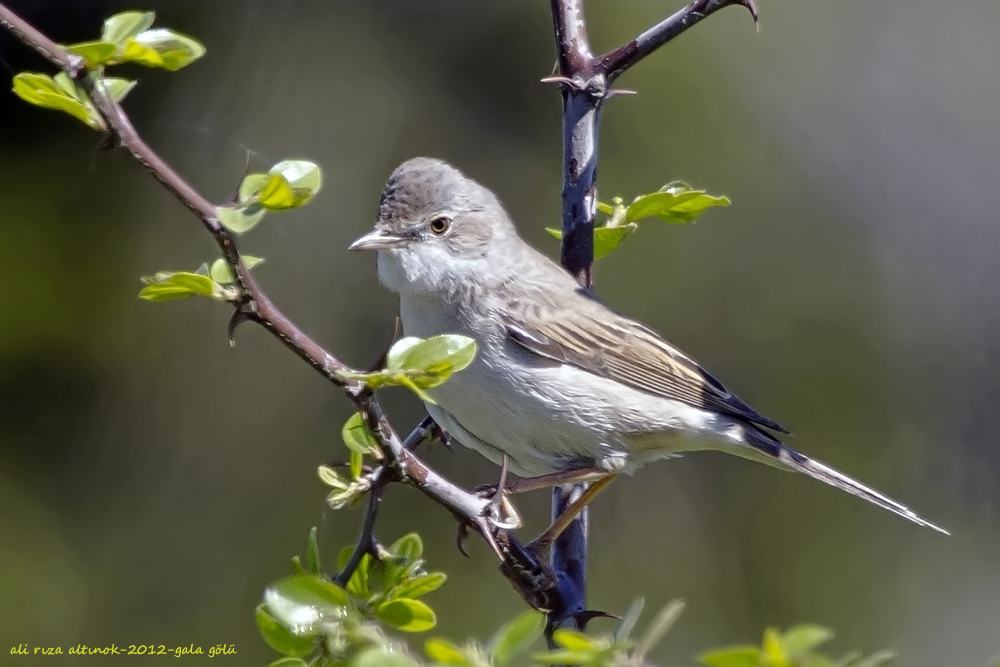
point(766, 449)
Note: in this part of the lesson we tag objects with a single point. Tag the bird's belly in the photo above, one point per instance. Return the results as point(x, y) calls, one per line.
point(550, 417)
point(558, 417)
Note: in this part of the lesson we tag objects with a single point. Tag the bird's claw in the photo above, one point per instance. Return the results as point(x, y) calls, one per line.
point(498, 514)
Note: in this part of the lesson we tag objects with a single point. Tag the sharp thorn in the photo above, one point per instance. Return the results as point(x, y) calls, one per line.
point(238, 318)
point(463, 532)
point(584, 617)
point(752, 8)
point(487, 530)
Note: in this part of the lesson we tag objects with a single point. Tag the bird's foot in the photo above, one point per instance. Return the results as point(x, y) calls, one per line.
point(499, 513)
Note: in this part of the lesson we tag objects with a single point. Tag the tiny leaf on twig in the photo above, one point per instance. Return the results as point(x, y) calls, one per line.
point(289, 184)
point(167, 286)
point(95, 53)
point(162, 47)
point(240, 219)
point(358, 438)
point(675, 202)
point(124, 25)
point(421, 363)
point(606, 239)
point(406, 615)
point(58, 93)
point(221, 272)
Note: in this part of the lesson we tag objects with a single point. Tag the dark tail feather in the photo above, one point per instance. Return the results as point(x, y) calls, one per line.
point(786, 457)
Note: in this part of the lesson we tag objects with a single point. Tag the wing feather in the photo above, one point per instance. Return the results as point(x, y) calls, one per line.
point(598, 340)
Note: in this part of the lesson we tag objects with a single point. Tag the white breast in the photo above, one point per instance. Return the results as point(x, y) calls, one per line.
point(548, 416)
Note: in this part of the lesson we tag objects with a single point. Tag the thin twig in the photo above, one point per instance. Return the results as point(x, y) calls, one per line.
point(616, 62)
point(254, 305)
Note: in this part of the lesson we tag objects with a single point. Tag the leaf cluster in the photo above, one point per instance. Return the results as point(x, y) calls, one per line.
point(127, 37)
point(676, 202)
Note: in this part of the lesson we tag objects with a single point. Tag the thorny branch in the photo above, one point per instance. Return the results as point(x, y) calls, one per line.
point(252, 304)
point(585, 82)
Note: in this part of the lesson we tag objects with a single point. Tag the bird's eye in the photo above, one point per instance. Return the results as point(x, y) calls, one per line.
point(440, 225)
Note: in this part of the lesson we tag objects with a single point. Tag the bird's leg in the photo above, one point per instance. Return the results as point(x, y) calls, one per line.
point(524, 484)
point(543, 542)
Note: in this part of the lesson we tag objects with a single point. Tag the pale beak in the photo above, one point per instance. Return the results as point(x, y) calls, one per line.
point(377, 239)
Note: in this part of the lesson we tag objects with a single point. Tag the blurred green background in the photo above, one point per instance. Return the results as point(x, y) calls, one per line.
point(153, 480)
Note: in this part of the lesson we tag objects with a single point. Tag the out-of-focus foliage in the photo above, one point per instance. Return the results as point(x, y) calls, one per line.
point(310, 620)
point(795, 647)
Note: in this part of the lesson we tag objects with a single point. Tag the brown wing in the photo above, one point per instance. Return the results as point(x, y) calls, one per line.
point(598, 340)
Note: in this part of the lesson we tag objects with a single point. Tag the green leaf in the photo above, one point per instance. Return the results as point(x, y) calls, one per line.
point(69, 87)
point(303, 602)
point(564, 657)
point(629, 619)
point(288, 662)
point(358, 583)
point(408, 548)
point(421, 585)
point(516, 636)
point(383, 656)
point(676, 202)
point(239, 219)
point(406, 615)
point(435, 358)
point(344, 556)
point(120, 27)
point(802, 639)
point(606, 239)
point(303, 178)
point(221, 273)
point(280, 638)
point(95, 53)
point(44, 91)
point(166, 286)
point(161, 47)
point(358, 438)
point(331, 477)
point(444, 652)
point(116, 88)
point(733, 656)
point(277, 194)
point(659, 626)
point(575, 640)
point(250, 186)
point(312, 551)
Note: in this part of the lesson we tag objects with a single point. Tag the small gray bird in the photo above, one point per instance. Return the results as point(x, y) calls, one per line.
point(563, 386)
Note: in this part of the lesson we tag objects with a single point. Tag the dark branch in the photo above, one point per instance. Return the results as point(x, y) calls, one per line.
point(585, 82)
point(572, 45)
point(252, 304)
point(615, 63)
